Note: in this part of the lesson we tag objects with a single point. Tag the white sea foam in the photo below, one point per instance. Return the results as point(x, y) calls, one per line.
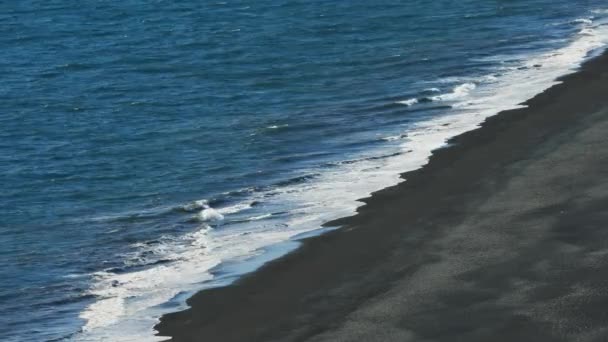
point(235, 208)
point(587, 21)
point(124, 300)
point(393, 137)
point(458, 92)
point(210, 215)
point(277, 126)
point(129, 304)
point(409, 102)
point(259, 217)
point(490, 78)
point(204, 204)
point(196, 205)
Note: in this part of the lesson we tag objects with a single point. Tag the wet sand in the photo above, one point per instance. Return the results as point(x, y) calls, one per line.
point(503, 236)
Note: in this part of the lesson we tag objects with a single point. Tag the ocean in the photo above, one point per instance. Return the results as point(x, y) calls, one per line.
point(152, 149)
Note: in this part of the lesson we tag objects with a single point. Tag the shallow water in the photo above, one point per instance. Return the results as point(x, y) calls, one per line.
point(127, 126)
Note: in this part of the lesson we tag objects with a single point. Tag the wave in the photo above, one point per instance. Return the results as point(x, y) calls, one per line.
point(193, 206)
point(458, 92)
point(394, 137)
point(277, 126)
point(233, 209)
point(298, 179)
point(206, 213)
point(587, 21)
point(210, 215)
point(260, 217)
point(126, 300)
point(409, 102)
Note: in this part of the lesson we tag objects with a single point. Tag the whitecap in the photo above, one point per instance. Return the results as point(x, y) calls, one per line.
point(196, 205)
point(210, 215)
point(277, 126)
point(393, 138)
point(458, 92)
point(409, 102)
point(235, 208)
point(587, 21)
point(259, 217)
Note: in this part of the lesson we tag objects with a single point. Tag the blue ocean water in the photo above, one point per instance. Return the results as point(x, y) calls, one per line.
point(148, 148)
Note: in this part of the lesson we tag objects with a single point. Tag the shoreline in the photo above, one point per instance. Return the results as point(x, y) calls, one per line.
point(428, 242)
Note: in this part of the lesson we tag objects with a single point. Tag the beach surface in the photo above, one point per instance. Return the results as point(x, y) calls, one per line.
point(501, 237)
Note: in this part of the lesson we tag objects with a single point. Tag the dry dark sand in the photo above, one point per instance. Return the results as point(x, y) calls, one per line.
point(502, 237)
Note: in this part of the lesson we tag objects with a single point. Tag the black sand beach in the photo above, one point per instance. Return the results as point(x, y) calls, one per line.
point(503, 236)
